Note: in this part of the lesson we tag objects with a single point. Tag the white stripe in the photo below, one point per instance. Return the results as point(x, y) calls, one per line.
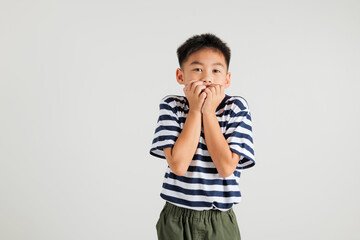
point(245, 164)
point(167, 123)
point(167, 112)
point(242, 150)
point(204, 153)
point(200, 163)
point(166, 133)
point(200, 198)
point(242, 119)
point(202, 208)
point(203, 175)
point(163, 143)
point(158, 152)
point(240, 140)
point(196, 186)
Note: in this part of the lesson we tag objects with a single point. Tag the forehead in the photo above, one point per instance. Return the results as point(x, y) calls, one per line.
point(206, 56)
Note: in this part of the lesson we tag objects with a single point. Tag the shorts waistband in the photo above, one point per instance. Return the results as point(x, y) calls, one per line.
point(190, 213)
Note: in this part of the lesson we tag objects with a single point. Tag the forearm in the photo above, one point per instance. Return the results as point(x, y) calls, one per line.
point(186, 144)
point(217, 145)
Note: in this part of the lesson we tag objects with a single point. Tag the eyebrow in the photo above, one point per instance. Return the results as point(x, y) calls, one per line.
point(196, 62)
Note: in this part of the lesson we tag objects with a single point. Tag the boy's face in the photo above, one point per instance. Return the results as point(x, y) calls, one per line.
point(206, 65)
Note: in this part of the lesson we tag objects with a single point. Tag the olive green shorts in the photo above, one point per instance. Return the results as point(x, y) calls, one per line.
point(177, 223)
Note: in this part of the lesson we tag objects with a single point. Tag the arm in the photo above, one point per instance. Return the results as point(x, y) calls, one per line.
point(181, 154)
point(224, 159)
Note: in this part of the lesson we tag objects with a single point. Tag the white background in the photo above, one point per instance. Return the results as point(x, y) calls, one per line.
point(80, 86)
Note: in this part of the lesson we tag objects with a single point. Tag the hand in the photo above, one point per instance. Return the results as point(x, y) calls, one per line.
point(214, 95)
point(195, 95)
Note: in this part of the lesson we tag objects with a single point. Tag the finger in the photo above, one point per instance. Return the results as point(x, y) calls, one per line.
point(190, 82)
point(212, 90)
point(194, 85)
point(222, 89)
point(199, 88)
point(217, 89)
point(208, 92)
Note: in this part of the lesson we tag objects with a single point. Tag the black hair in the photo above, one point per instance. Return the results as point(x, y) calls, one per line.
point(198, 42)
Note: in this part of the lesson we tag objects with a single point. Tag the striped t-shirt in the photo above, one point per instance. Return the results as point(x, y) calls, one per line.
point(202, 188)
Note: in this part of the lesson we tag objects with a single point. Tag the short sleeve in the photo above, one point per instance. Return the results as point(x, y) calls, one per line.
point(238, 133)
point(167, 127)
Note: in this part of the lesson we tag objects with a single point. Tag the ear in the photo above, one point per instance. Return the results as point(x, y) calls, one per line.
point(180, 76)
point(227, 80)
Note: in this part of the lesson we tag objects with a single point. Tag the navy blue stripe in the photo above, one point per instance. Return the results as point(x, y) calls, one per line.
point(202, 169)
point(239, 135)
point(244, 146)
point(182, 119)
point(223, 182)
point(238, 114)
point(167, 107)
point(163, 138)
point(168, 128)
point(236, 173)
point(202, 146)
point(223, 103)
point(238, 103)
point(232, 113)
point(223, 123)
point(171, 98)
point(202, 158)
point(185, 202)
point(199, 192)
point(223, 205)
point(248, 116)
point(239, 124)
point(167, 117)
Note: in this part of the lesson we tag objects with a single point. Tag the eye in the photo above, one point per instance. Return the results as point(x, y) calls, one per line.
point(197, 70)
point(216, 70)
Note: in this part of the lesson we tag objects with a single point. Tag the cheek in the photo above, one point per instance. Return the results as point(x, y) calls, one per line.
point(193, 76)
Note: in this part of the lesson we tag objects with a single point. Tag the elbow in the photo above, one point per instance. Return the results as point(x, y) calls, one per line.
point(179, 171)
point(178, 168)
point(227, 171)
point(227, 168)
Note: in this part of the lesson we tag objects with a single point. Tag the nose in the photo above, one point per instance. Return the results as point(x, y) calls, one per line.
point(207, 79)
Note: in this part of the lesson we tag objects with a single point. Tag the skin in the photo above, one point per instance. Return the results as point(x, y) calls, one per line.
point(204, 76)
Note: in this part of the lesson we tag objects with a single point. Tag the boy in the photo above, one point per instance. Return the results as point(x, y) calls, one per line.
point(206, 139)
